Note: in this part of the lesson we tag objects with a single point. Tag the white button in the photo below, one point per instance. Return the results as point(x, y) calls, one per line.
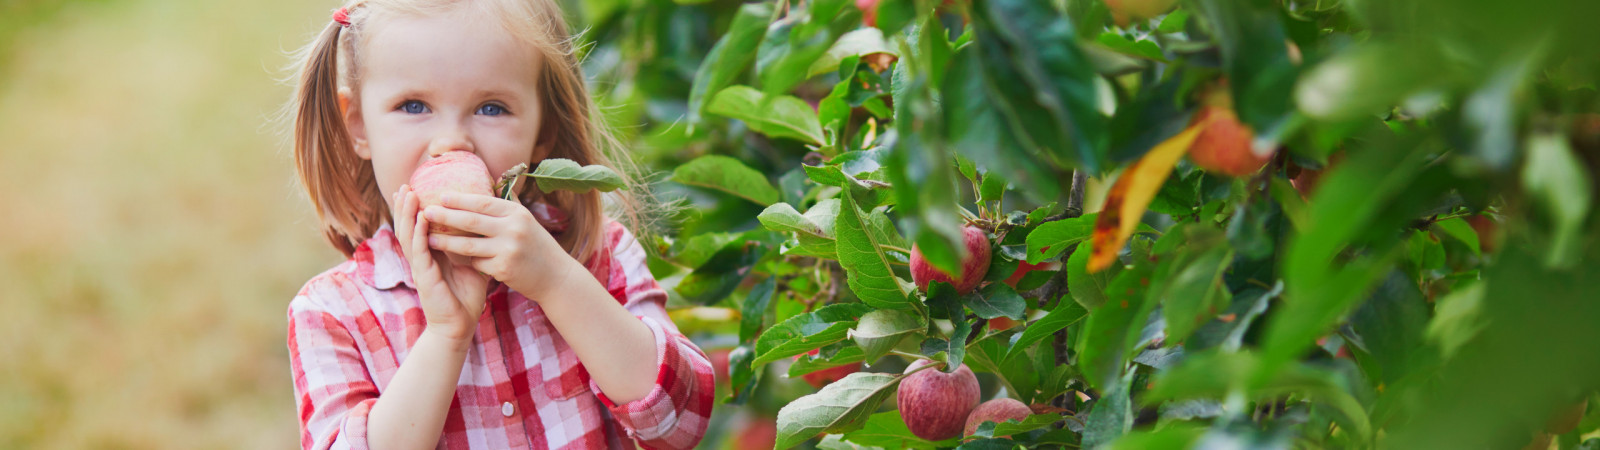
point(505, 408)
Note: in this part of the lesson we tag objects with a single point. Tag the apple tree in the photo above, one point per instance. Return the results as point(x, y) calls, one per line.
point(1153, 223)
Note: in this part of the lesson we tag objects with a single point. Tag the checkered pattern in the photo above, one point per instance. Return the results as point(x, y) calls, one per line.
point(351, 327)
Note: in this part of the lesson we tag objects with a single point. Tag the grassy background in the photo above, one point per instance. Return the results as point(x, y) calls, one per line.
point(154, 231)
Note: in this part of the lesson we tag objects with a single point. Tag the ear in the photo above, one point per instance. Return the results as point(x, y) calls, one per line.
point(352, 121)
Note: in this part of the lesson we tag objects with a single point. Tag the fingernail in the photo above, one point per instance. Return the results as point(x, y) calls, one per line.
point(433, 241)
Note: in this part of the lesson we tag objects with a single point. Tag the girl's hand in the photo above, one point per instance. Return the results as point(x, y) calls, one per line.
point(452, 293)
point(514, 249)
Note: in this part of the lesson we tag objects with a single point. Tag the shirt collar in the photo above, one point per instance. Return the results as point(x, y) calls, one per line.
point(380, 263)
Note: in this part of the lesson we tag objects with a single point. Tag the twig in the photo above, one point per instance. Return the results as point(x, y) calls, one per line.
point(1080, 180)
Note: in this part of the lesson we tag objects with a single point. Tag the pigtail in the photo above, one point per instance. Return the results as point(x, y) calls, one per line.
point(341, 185)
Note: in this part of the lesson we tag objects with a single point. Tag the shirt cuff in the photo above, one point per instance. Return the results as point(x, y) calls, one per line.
point(655, 415)
point(353, 433)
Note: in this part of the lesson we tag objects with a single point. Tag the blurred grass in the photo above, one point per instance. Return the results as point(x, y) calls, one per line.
point(154, 231)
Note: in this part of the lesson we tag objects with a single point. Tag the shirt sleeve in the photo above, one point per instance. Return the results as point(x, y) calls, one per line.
point(332, 391)
point(674, 414)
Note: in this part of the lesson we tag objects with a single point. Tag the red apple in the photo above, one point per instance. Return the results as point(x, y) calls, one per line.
point(973, 266)
point(1023, 268)
point(1486, 228)
point(997, 410)
point(760, 434)
point(1001, 323)
point(869, 12)
point(822, 377)
point(455, 171)
point(1223, 146)
point(934, 404)
point(719, 363)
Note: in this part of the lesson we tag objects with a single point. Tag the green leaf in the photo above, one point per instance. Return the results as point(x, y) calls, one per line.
point(777, 116)
point(1112, 414)
point(1461, 231)
point(727, 174)
point(1227, 332)
point(793, 43)
point(1088, 289)
point(846, 356)
point(755, 309)
point(1114, 327)
point(1015, 427)
point(866, 269)
point(558, 174)
point(696, 250)
point(1051, 238)
point(729, 56)
point(1141, 48)
point(1380, 189)
point(858, 42)
point(1457, 318)
point(742, 378)
point(1041, 80)
point(781, 217)
point(1556, 181)
point(888, 430)
point(1175, 436)
point(713, 280)
point(1219, 375)
point(1063, 316)
point(1255, 57)
point(805, 332)
point(1194, 293)
point(996, 300)
point(841, 406)
point(881, 330)
point(942, 298)
point(1388, 328)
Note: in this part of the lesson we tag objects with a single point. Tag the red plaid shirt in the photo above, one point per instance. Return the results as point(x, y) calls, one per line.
point(351, 327)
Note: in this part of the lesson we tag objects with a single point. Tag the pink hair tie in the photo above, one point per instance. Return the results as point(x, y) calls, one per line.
point(342, 15)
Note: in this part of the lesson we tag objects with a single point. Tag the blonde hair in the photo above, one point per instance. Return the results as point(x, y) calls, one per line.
point(351, 209)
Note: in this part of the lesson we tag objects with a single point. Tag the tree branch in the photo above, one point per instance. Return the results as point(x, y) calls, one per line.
point(1080, 180)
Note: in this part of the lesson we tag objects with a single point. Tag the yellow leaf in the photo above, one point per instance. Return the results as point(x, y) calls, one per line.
point(1128, 198)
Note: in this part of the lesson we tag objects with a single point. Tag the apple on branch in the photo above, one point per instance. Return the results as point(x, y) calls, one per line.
point(973, 266)
point(934, 404)
point(1223, 145)
point(997, 410)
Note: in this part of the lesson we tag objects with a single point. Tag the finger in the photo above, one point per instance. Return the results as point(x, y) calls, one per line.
point(468, 221)
point(403, 218)
point(482, 204)
point(461, 245)
point(420, 257)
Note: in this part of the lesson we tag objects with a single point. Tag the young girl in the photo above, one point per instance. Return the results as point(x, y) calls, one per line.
point(516, 337)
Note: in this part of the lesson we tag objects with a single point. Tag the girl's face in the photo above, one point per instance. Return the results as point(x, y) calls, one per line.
point(436, 84)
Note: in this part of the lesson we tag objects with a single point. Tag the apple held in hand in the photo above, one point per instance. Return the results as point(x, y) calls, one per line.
point(997, 410)
point(973, 267)
point(934, 404)
point(1223, 146)
point(455, 171)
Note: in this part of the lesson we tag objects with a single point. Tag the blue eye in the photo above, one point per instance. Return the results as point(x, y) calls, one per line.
point(413, 107)
point(491, 110)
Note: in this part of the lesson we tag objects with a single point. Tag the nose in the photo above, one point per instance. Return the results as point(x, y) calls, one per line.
point(448, 140)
